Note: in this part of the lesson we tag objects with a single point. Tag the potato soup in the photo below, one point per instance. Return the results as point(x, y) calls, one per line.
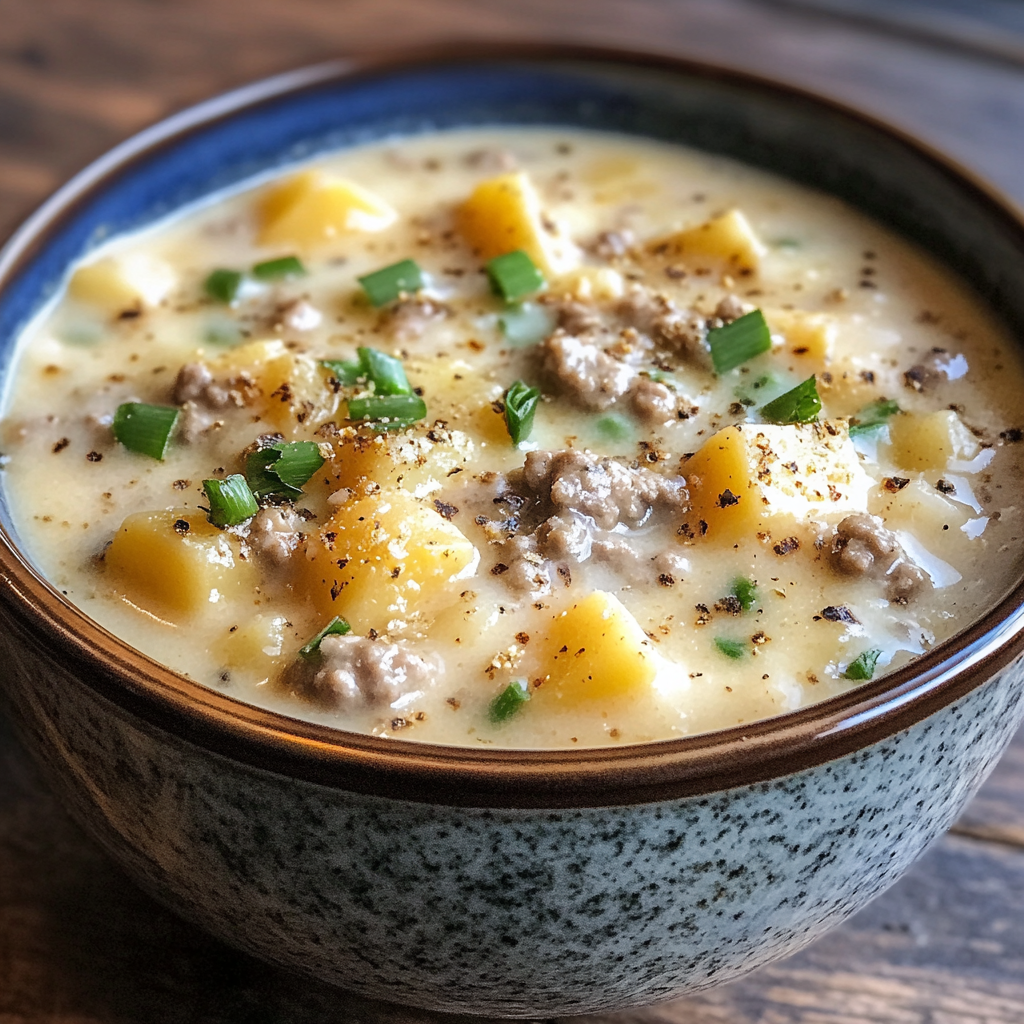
point(533, 438)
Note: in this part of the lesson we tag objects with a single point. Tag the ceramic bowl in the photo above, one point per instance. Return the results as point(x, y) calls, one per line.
point(491, 881)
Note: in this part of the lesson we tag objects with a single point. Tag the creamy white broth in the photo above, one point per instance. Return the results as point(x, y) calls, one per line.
point(887, 306)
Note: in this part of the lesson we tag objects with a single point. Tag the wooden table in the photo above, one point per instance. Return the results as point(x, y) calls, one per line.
point(78, 943)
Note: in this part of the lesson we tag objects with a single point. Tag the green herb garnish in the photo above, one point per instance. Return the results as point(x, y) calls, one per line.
point(345, 371)
point(745, 591)
point(386, 372)
point(615, 427)
point(526, 323)
point(514, 275)
point(736, 342)
point(231, 501)
point(275, 270)
point(145, 428)
point(731, 648)
point(282, 468)
point(509, 701)
point(390, 410)
point(863, 666)
point(799, 405)
point(223, 285)
point(872, 416)
point(520, 407)
point(388, 283)
point(336, 627)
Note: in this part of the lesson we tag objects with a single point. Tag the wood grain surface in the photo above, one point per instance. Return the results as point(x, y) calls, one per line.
point(78, 943)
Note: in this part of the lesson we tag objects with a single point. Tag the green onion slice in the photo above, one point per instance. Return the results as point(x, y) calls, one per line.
point(799, 405)
point(282, 468)
point(396, 410)
point(520, 408)
point(514, 275)
point(386, 372)
point(346, 372)
point(615, 427)
point(336, 627)
point(145, 428)
point(223, 285)
point(863, 666)
point(872, 416)
point(509, 701)
point(731, 648)
point(526, 323)
point(275, 270)
point(231, 501)
point(388, 283)
point(745, 591)
point(736, 342)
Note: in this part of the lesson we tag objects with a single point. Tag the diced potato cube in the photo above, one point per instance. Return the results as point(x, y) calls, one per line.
point(312, 209)
point(117, 283)
point(504, 214)
point(256, 645)
point(596, 650)
point(765, 477)
point(175, 564)
point(386, 558)
point(918, 508)
point(589, 283)
point(929, 441)
point(728, 238)
point(807, 337)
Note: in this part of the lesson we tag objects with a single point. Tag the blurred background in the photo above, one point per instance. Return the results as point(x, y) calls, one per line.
point(78, 944)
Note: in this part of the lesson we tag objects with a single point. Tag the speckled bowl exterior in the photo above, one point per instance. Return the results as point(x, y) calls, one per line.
point(508, 883)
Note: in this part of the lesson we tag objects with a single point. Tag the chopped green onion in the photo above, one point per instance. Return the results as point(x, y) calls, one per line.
point(787, 243)
point(799, 405)
point(509, 701)
point(274, 270)
point(514, 275)
point(346, 372)
point(731, 648)
point(396, 409)
point(520, 407)
point(863, 666)
point(223, 285)
point(388, 283)
point(145, 428)
point(736, 342)
point(745, 591)
point(336, 627)
point(386, 372)
point(526, 323)
point(231, 501)
point(282, 468)
point(615, 427)
point(873, 416)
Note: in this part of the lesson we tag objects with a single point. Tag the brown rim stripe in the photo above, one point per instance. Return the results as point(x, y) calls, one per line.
point(64, 637)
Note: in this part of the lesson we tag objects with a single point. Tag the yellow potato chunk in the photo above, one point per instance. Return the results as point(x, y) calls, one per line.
point(312, 209)
point(929, 441)
point(117, 283)
point(919, 509)
point(386, 558)
point(504, 214)
point(728, 238)
point(175, 564)
point(596, 650)
point(766, 476)
point(807, 337)
point(256, 645)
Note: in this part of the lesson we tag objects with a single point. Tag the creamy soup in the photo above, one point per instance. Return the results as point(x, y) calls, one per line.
point(533, 438)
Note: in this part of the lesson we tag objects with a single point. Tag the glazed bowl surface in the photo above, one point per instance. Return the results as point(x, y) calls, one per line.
point(479, 880)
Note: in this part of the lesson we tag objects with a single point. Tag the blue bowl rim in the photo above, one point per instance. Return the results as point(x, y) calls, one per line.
point(64, 637)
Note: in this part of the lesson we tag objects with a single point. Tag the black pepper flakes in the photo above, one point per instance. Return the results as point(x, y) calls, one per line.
point(895, 483)
point(785, 546)
point(61, 445)
point(727, 499)
point(945, 487)
point(181, 527)
point(837, 613)
point(445, 510)
point(94, 457)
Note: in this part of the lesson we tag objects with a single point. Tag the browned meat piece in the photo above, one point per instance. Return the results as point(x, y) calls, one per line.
point(355, 671)
point(575, 317)
point(619, 554)
point(195, 383)
point(410, 317)
point(862, 546)
point(588, 376)
point(730, 308)
point(610, 245)
point(274, 535)
point(565, 539)
point(653, 402)
point(933, 369)
point(607, 491)
point(657, 316)
point(525, 570)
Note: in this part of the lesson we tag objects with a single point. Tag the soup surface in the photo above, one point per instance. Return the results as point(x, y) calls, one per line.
point(623, 442)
